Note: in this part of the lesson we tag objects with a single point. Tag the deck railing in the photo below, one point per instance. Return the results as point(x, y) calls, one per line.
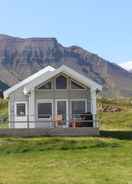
point(76, 120)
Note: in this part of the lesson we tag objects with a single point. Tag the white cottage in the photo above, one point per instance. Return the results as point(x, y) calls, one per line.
point(51, 98)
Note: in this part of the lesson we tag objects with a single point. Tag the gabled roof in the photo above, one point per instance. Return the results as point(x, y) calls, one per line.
point(48, 72)
point(28, 80)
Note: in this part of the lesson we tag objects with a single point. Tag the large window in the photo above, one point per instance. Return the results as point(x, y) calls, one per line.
point(61, 82)
point(75, 85)
point(44, 110)
point(78, 107)
point(20, 109)
point(46, 86)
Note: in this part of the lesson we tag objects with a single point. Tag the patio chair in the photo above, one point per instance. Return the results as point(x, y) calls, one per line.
point(58, 120)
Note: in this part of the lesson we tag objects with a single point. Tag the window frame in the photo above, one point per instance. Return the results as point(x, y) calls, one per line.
point(44, 101)
point(61, 74)
point(21, 118)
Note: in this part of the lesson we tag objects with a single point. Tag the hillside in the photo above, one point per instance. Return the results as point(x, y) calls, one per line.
point(115, 120)
point(20, 58)
point(3, 86)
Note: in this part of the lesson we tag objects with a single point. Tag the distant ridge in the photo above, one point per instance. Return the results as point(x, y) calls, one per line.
point(20, 57)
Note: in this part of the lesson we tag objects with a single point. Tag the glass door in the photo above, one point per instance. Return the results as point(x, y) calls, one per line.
point(62, 110)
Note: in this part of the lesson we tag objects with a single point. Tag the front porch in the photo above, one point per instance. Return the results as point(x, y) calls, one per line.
point(55, 113)
point(83, 120)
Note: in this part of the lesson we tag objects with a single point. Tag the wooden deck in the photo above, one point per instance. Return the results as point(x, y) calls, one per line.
point(32, 132)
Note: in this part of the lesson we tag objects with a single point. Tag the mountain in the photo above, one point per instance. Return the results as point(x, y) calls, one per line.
point(3, 86)
point(21, 57)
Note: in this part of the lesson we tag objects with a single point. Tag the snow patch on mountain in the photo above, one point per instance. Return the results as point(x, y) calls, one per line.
point(127, 65)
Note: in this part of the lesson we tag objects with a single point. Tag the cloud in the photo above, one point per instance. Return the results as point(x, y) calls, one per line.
point(126, 65)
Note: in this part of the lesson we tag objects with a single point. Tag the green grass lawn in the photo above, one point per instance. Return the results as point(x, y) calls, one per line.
point(64, 160)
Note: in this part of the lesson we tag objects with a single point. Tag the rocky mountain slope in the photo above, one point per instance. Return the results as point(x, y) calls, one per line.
point(3, 86)
point(20, 58)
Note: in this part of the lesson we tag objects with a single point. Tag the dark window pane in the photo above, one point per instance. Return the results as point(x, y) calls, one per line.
point(78, 107)
point(46, 86)
point(44, 110)
point(74, 85)
point(61, 82)
point(21, 110)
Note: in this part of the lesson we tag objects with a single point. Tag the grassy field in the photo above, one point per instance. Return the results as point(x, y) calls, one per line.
point(3, 107)
point(116, 120)
point(65, 160)
point(84, 160)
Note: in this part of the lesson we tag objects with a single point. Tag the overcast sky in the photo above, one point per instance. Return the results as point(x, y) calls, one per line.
point(100, 26)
